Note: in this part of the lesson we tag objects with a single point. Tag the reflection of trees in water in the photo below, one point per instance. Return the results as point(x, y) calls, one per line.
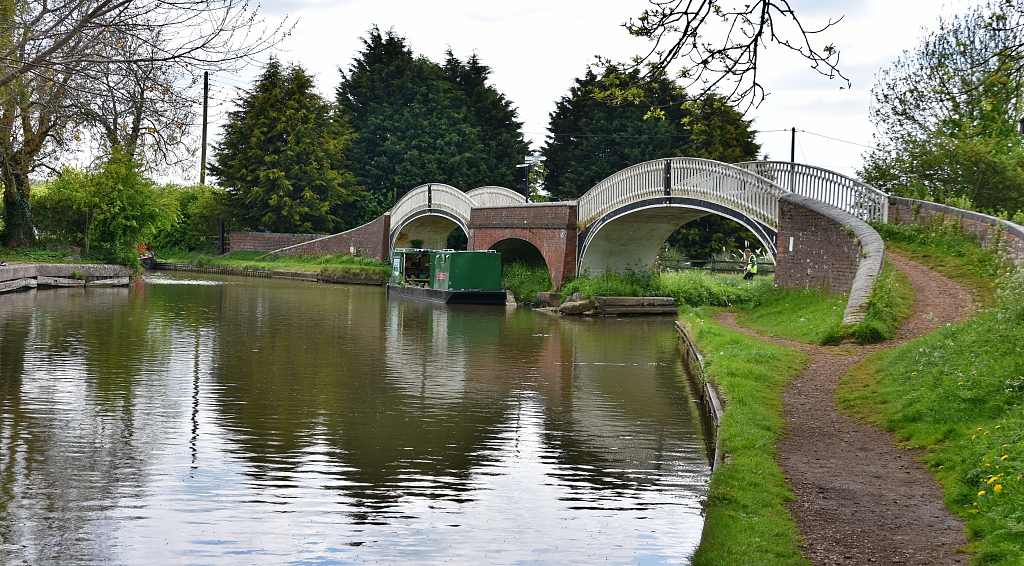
point(72, 447)
point(309, 367)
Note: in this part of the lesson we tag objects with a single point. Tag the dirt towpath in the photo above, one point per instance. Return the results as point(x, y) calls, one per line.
point(859, 499)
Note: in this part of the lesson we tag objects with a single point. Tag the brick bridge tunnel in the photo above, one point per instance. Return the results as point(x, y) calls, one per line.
point(810, 220)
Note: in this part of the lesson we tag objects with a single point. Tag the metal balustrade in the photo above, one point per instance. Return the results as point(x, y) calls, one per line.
point(845, 193)
point(688, 177)
point(436, 196)
point(495, 196)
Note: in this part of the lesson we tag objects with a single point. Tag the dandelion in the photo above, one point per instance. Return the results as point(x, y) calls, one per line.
point(982, 492)
point(998, 488)
point(1005, 456)
point(960, 383)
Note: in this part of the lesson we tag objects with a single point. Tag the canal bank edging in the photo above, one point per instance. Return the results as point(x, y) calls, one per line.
point(709, 398)
point(361, 279)
point(34, 275)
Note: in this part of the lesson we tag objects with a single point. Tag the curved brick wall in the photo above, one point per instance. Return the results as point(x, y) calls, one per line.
point(824, 247)
point(991, 231)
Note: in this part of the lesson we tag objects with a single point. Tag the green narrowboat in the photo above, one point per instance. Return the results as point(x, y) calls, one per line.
point(447, 276)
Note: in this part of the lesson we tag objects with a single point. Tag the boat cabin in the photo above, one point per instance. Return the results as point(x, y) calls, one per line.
point(446, 270)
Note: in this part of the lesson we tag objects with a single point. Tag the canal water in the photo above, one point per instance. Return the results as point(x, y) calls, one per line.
point(221, 420)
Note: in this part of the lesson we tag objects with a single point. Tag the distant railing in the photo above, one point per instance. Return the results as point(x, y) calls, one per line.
point(710, 181)
point(435, 196)
point(858, 198)
point(495, 196)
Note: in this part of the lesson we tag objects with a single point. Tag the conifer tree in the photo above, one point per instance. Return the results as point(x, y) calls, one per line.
point(282, 157)
point(418, 122)
point(589, 139)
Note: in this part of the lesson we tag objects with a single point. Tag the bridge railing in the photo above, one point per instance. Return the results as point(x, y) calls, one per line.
point(858, 198)
point(433, 195)
point(703, 179)
point(495, 196)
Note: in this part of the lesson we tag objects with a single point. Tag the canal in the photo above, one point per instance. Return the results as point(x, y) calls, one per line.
point(219, 420)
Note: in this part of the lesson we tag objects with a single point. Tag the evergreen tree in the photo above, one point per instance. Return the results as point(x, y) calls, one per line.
point(282, 157)
point(590, 139)
point(494, 118)
point(419, 122)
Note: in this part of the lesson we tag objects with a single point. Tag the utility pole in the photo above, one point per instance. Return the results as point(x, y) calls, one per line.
point(206, 99)
point(793, 146)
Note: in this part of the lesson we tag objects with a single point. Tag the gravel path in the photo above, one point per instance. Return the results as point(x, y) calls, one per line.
point(859, 499)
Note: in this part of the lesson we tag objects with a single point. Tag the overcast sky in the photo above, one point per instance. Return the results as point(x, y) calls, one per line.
point(537, 47)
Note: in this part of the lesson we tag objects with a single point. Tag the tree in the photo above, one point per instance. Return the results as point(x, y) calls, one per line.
point(51, 53)
point(113, 208)
point(947, 113)
point(419, 122)
point(282, 157)
point(679, 31)
point(589, 139)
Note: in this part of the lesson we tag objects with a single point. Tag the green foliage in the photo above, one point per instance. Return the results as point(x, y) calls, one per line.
point(420, 122)
point(947, 113)
point(109, 210)
point(525, 281)
point(891, 302)
point(282, 157)
point(197, 227)
point(710, 235)
point(746, 521)
point(590, 139)
point(693, 288)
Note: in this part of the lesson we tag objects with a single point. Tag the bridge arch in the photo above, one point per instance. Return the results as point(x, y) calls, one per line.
point(495, 196)
point(626, 218)
point(429, 213)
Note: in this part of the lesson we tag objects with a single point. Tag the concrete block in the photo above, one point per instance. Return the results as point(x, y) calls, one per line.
point(548, 299)
point(43, 281)
point(112, 282)
point(16, 284)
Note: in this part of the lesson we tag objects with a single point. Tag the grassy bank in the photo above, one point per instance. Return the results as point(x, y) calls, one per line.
point(745, 516)
point(525, 282)
point(327, 265)
point(692, 288)
point(958, 393)
point(42, 255)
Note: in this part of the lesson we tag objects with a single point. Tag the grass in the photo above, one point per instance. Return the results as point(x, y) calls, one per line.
point(525, 281)
point(692, 288)
point(746, 521)
point(330, 265)
point(797, 314)
point(958, 393)
point(40, 255)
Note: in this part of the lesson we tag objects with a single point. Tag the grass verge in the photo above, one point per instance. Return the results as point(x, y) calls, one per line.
point(958, 393)
point(746, 521)
point(41, 255)
point(330, 265)
point(692, 288)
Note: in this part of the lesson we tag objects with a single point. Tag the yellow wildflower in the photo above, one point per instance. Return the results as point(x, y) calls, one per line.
point(1005, 456)
point(998, 488)
point(982, 492)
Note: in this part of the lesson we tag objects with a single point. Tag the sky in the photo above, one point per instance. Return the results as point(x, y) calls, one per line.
point(536, 48)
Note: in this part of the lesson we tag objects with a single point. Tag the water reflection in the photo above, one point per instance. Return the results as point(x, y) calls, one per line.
point(259, 421)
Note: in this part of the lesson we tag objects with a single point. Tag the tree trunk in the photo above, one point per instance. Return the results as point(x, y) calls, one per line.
point(18, 231)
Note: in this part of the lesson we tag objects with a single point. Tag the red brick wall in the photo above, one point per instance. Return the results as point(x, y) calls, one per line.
point(989, 229)
point(264, 241)
point(369, 240)
point(825, 254)
point(549, 227)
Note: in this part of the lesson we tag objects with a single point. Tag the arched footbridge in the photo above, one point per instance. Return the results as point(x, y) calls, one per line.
point(812, 221)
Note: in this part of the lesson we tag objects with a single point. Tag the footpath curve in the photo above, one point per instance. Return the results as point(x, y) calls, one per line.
point(859, 499)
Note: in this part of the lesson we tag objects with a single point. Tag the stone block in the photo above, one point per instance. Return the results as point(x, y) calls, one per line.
point(549, 299)
point(112, 282)
point(16, 284)
point(44, 281)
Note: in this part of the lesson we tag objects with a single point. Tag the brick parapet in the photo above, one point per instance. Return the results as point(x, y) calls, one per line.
point(265, 241)
point(991, 231)
point(550, 227)
point(370, 240)
point(830, 249)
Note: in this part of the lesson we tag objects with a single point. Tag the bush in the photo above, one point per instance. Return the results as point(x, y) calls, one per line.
point(693, 288)
point(108, 211)
point(197, 227)
point(525, 281)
